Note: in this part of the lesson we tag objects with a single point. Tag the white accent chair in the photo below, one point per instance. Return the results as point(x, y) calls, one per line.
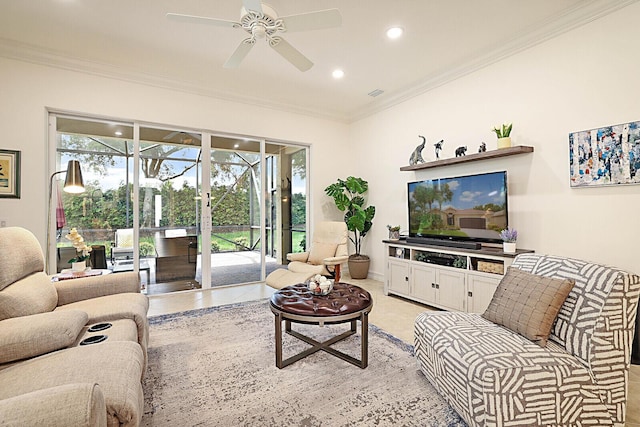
point(328, 251)
point(123, 245)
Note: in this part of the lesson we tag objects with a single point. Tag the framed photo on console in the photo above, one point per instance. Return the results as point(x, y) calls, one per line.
point(608, 155)
point(9, 174)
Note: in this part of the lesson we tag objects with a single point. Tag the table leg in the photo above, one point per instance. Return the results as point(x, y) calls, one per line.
point(278, 318)
point(364, 343)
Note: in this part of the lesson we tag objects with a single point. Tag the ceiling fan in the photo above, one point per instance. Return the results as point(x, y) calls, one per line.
point(261, 21)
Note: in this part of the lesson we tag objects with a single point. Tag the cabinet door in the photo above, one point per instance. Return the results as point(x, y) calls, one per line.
point(423, 283)
point(480, 292)
point(451, 289)
point(399, 277)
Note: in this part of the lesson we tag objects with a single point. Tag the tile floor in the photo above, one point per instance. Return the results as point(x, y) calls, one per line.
point(392, 314)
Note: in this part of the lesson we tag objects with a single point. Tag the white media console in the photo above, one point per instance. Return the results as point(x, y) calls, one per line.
point(445, 277)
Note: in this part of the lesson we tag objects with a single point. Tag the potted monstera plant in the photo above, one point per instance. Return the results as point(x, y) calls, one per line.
point(348, 196)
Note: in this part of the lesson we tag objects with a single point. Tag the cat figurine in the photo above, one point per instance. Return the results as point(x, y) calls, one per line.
point(416, 156)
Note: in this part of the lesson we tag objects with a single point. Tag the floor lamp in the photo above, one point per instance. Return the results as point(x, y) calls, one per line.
point(72, 184)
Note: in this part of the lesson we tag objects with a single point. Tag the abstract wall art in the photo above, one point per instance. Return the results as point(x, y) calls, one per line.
point(608, 155)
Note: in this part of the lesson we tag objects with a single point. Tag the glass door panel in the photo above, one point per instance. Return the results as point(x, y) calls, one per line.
point(104, 149)
point(287, 198)
point(235, 211)
point(169, 212)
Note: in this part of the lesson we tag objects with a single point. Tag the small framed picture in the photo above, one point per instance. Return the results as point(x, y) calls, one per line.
point(399, 252)
point(9, 174)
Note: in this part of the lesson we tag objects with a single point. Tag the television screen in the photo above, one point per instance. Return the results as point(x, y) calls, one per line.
point(472, 207)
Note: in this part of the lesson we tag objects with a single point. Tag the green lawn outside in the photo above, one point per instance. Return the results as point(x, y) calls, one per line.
point(224, 242)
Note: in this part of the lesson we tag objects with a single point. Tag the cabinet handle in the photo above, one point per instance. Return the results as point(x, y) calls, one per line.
point(470, 294)
point(433, 285)
point(406, 279)
point(437, 286)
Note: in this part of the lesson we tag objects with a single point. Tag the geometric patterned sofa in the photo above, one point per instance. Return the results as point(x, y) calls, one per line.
point(494, 377)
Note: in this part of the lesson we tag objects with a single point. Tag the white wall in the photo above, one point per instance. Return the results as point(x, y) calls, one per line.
point(584, 79)
point(27, 91)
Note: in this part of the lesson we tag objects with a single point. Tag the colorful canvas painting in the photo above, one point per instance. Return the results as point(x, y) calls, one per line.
point(605, 156)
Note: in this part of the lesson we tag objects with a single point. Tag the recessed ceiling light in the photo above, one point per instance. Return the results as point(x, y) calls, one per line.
point(118, 133)
point(337, 74)
point(395, 32)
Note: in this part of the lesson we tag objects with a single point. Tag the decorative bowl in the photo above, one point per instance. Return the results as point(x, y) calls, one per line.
point(322, 288)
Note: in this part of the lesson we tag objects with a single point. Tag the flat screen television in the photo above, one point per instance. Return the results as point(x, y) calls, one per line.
point(471, 208)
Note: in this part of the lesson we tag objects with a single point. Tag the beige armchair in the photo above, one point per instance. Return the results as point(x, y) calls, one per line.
point(45, 327)
point(328, 251)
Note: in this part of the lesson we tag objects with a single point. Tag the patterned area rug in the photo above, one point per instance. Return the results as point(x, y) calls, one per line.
point(216, 367)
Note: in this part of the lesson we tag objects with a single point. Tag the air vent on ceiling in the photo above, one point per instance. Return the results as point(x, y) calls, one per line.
point(376, 92)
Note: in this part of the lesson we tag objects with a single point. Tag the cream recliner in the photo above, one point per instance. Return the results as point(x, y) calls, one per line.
point(48, 374)
point(328, 251)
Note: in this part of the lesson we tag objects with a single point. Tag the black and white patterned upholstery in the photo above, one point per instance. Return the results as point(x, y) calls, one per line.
point(494, 377)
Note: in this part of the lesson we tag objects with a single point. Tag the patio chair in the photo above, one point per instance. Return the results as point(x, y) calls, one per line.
point(123, 245)
point(328, 250)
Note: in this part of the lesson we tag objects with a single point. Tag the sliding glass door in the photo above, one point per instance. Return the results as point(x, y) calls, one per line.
point(187, 209)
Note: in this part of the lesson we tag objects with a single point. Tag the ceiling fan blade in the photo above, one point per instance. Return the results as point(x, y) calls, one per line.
point(313, 20)
point(290, 53)
point(201, 20)
point(241, 51)
point(255, 5)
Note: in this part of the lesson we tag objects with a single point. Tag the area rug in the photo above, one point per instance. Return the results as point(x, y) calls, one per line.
point(216, 367)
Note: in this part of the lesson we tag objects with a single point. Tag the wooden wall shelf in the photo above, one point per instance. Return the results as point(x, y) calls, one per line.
point(502, 152)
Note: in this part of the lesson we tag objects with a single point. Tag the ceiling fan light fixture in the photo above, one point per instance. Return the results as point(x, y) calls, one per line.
point(395, 32)
point(259, 32)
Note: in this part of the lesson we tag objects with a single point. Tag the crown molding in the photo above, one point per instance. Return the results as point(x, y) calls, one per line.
point(36, 55)
point(581, 14)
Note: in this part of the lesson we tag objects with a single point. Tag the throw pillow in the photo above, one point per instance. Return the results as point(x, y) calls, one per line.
point(320, 251)
point(528, 304)
point(30, 336)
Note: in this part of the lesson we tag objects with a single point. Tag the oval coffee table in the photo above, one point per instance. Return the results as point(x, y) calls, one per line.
point(345, 303)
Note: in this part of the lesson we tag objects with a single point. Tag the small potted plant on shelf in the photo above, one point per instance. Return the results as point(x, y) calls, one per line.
point(509, 237)
point(503, 133)
point(394, 232)
point(348, 196)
